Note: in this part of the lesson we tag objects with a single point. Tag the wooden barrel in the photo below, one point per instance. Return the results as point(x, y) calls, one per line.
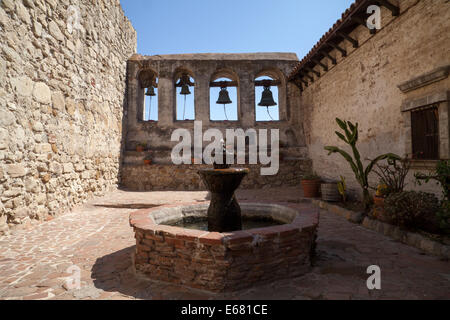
point(330, 192)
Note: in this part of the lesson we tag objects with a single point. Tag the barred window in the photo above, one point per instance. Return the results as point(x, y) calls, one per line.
point(425, 133)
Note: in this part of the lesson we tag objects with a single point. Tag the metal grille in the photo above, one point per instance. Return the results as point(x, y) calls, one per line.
point(425, 133)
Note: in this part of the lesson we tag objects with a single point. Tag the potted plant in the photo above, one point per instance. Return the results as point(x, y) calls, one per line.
point(311, 185)
point(350, 136)
point(140, 147)
point(147, 160)
point(381, 194)
point(392, 181)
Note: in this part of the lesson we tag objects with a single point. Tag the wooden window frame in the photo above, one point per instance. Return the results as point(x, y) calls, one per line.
point(425, 136)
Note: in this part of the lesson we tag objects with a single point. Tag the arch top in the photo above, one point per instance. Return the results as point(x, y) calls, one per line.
point(273, 73)
point(181, 71)
point(147, 77)
point(225, 73)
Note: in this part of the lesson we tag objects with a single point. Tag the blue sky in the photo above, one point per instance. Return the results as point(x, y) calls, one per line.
point(231, 26)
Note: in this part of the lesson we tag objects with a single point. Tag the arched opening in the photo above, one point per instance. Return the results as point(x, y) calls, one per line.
point(267, 100)
point(185, 97)
point(223, 93)
point(151, 102)
point(148, 107)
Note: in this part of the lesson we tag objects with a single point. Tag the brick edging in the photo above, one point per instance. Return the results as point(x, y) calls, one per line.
point(406, 237)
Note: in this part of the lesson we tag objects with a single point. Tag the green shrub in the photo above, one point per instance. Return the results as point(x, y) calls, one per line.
point(413, 210)
point(442, 176)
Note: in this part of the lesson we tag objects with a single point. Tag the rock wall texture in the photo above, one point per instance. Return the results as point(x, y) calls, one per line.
point(159, 177)
point(62, 86)
point(363, 87)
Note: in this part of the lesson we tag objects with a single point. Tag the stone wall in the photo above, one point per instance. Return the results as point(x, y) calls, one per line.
point(62, 84)
point(205, 68)
point(186, 178)
point(363, 87)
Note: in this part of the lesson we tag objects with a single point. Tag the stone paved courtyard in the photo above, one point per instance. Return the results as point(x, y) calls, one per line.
point(97, 238)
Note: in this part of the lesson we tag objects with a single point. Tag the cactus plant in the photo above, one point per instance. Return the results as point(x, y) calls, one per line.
point(362, 174)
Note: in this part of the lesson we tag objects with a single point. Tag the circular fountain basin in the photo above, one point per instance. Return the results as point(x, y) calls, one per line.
point(229, 261)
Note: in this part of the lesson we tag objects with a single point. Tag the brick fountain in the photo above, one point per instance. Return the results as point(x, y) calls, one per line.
point(204, 247)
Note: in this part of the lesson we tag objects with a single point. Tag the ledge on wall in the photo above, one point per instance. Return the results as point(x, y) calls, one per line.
point(425, 79)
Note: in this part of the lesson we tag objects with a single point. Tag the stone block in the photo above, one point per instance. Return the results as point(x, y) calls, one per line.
point(43, 148)
point(68, 168)
point(23, 86)
point(15, 170)
point(42, 93)
point(55, 31)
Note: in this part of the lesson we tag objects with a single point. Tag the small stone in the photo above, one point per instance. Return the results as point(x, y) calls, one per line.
point(37, 29)
point(22, 85)
point(43, 148)
point(21, 213)
point(1, 173)
point(55, 167)
point(31, 185)
point(55, 31)
point(58, 101)
point(79, 167)
point(41, 198)
point(12, 193)
point(11, 55)
point(38, 127)
point(29, 3)
point(71, 107)
point(42, 93)
point(8, 118)
point(46, 178)
point(54, 148)
point(7, 4)
point(15, 170)
point(68, 168)
point(22, 13)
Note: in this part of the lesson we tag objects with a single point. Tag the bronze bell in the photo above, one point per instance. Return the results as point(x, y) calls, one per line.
point(267, 98)
point(185, 90)
point(150, 91)
point(224, 97)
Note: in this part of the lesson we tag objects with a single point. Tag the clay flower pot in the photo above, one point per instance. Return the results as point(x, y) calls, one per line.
point(378, 201)
point(311, 188)
point(140, 149)
point(147, 162)
point(378, 211)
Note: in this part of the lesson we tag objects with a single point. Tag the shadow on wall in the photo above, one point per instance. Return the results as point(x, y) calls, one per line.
point(123, 139)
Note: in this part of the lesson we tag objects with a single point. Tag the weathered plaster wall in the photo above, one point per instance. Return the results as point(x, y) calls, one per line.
point(61, 104)
point(363, 86)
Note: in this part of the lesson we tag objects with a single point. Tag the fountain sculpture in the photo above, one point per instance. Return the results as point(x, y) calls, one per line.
point(172, 246)
point(224, 213)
